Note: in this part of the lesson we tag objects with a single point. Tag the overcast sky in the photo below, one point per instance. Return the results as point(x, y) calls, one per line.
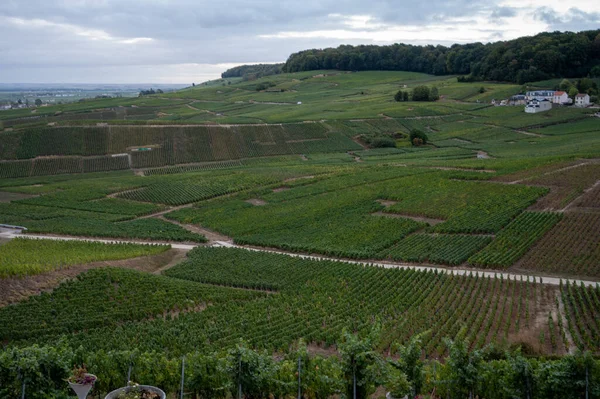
point(184, 41)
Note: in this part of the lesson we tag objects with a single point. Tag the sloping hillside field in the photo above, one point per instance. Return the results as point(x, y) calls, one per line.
point(293, 214)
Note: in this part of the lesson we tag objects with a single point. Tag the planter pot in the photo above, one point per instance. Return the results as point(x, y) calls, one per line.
point(115, 394)
point(81, 390)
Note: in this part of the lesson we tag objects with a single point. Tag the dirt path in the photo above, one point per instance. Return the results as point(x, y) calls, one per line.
point(17, 289)
point(211, 235)
point(165, 211)
point(574, 202)
point(528, 133)
point(549, 280)
point(192, 107)
point(551, 172)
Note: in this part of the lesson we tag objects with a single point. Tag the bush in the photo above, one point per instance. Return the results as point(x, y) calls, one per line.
point(421, 93)
point(381, 142)
point(399, 96)
point(417, 137)
point(433, 94)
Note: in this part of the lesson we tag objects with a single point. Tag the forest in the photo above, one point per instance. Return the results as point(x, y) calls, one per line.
point(526, 59)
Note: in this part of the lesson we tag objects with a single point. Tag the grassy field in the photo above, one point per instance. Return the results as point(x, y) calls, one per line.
point(295, 167)
point(25, 257)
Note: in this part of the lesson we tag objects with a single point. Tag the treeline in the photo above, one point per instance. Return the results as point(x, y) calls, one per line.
point(526, 59)
point(251, 72)
point(357, 369)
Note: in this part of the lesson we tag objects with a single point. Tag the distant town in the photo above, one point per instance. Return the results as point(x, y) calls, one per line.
point(15, 96)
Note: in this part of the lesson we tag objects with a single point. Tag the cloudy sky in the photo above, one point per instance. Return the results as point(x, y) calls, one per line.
point(184, 41)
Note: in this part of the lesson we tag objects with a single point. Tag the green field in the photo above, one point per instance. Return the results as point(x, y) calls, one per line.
point(320, 164)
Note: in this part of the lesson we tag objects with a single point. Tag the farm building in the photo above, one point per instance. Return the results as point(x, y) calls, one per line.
point(535, 106)
point(582, 100)
point(519, 99)
point(560, 97)
point(540, 95)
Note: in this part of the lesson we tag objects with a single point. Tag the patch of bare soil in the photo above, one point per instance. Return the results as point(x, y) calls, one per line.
point(429, 221)
point(280, 189)
point(7, 197)
point(17, 289)
point(322, 351)
point(256, 202)
point(298, 178)
point(483, 155)
point(462, 169)
point(387, 203)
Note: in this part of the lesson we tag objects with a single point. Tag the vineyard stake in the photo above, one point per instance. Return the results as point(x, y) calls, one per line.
point(354, 382)
point(587, 392)
point(182, 376)
point(299, 378)
point(240, 379)
point(130, 367)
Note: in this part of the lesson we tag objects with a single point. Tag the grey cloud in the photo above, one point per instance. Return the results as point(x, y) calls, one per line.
point(574, 19)
point(503, 12)
point(206, 32)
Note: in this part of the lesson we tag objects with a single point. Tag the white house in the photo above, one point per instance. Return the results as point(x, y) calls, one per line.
point(582, 100)
point(560, 97)
point(535, 106)
point(540, 95)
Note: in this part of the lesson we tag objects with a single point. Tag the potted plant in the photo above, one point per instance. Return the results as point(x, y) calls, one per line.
point(137, 391)
point(81, 381)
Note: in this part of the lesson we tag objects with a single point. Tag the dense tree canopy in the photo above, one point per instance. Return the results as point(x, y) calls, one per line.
point(250, 72)
point(527, 59)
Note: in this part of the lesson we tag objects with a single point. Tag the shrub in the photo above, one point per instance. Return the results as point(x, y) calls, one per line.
point(417, 137)
point(381, 142)
point(421, 93)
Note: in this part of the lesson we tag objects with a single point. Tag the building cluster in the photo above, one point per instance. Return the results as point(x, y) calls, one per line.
point(543, 100)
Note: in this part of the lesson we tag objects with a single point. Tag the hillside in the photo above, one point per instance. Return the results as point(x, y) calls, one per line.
point(471, 235)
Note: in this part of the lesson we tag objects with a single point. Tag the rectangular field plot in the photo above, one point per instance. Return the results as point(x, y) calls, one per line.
point(449, 249)
point(570, 248)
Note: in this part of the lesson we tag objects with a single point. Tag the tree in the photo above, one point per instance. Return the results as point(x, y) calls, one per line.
point(420, 93)
point(433, 94)
point(417, 137)
point(363, 367)
point(405, 96)
point(565, 85)
point(595, 71)
point(587, 85)
point(481, 90)
point(399, 96)
point(573, 92)
point(38, 102)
